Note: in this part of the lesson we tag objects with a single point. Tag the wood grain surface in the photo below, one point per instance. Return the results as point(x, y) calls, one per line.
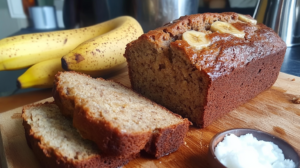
point(272, 111)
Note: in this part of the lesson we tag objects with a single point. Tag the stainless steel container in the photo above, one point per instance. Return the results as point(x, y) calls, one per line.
point(155, 13)
point(43, 17)
point(283, 17)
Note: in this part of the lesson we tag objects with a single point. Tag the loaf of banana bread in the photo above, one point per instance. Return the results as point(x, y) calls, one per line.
point(120, 121)
point(203, 66)
point(56, 143)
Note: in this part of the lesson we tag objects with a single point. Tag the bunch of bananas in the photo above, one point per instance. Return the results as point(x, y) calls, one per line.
point(93, 50)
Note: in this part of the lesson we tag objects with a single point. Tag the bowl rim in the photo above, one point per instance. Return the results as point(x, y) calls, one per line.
point(248, 130)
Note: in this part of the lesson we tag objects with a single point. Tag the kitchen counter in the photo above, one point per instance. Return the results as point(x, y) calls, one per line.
point(272, 111)
point(291, 63)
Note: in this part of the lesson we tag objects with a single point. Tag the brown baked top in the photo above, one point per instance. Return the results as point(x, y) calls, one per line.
point(226, 51)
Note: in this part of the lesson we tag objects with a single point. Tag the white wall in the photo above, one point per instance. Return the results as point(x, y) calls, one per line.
point(9, 25)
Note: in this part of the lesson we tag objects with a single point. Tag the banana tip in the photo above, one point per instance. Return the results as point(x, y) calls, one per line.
point(64, 64)
point(19, 85)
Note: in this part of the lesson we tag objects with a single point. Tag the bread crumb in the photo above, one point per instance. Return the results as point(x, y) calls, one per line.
point(293, 79)
point(296, 100)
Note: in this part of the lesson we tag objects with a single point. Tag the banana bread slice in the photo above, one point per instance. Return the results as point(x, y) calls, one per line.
point(57, 144)
point(120, 121)
point(226, 60)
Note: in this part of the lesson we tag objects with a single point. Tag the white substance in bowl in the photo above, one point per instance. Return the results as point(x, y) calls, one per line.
point(247, 152)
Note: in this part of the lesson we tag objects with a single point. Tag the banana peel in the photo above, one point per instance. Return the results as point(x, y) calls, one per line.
point(25, 50)
point(105, 51)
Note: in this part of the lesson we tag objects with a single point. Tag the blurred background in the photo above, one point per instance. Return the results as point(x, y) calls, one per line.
point(19, 16)
point(31, 16)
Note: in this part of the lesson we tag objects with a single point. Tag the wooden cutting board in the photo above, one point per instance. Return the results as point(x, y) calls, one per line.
point(272, 111)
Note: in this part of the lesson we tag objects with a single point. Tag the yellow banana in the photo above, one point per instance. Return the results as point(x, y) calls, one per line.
point(24, 50)
point(104, 51)
point(224, 27)
point(41, 75)
point(196, 39)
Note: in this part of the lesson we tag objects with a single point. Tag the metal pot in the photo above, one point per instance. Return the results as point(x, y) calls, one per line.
point(155, 13)
point(282, 16)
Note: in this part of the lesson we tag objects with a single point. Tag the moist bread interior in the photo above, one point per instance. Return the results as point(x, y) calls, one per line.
point(57, 133)
point(108, 101)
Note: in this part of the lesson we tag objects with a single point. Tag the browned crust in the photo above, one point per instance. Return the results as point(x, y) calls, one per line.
point(228, 92)
point(216, 106)
point(184, 23)
point(167, 140)
point(112, 141)
point(181, 25)
point(50, 157)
